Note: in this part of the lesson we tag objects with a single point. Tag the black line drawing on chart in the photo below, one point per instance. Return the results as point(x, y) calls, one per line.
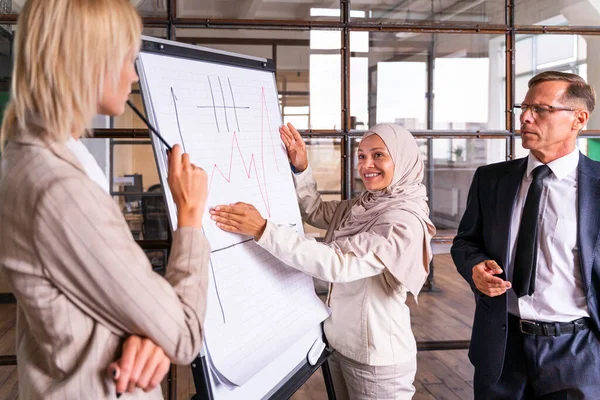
point(213, 101)
point(233, 245)
point(177, 117)
point(234, 107)
point(223, 97)
point(212, 268)
point(217, 95)
point(214, 107)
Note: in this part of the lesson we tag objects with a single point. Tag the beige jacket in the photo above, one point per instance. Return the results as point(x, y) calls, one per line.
point(370, 321)
point(82, 283)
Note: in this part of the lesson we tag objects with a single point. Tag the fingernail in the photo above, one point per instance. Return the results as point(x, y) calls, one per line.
point(119, 395)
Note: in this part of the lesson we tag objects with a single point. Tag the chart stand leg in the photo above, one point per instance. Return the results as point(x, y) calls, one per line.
point(328, 380)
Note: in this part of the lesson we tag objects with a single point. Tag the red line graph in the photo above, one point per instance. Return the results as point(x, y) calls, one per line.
point(252, 165)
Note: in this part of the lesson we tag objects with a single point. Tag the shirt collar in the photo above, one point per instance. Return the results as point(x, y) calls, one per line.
point(560, 167)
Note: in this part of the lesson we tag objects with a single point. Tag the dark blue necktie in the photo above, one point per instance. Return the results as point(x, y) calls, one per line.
point(526, 253)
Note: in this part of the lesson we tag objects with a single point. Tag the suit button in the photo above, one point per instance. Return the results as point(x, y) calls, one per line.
point(503, 327)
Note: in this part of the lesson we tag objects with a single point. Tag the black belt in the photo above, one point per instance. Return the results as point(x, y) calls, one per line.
point(537, 328)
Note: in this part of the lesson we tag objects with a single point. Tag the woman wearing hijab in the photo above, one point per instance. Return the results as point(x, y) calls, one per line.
point(377, 248)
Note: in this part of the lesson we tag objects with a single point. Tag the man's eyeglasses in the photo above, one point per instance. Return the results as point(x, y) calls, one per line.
point(540, 109)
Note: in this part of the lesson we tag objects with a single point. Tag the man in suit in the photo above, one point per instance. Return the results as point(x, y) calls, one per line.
point(527, 246)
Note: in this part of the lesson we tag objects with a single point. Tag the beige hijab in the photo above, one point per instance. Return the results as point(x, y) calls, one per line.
point(374, 221)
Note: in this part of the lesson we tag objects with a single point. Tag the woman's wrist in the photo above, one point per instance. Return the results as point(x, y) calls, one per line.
point(301, 168)
point(261, 231)
point(189, 218)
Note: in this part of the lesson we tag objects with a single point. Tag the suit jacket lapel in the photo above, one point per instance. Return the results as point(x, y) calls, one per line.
point(588, 191)
point(507, 191)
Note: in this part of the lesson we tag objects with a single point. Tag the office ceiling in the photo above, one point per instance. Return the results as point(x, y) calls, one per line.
point(478, 11)
point(450, 11)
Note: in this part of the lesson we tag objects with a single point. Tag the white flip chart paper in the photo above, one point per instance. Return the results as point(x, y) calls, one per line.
point(227, 119)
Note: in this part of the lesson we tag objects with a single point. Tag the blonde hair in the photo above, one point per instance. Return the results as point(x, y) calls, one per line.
point(63, 52)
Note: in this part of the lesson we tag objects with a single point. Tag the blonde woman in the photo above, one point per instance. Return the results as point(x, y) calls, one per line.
point(376, 250)
point(82, 284)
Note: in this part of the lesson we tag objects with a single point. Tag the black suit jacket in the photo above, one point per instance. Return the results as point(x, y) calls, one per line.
point(483, 234)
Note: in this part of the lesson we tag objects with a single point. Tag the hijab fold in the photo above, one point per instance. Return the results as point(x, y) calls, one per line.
point(378, 220)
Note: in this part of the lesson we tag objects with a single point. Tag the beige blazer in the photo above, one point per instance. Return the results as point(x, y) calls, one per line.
point(370, 321)
point(82, 283)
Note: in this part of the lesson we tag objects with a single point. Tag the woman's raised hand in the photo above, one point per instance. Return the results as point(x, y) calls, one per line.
point(295, 147)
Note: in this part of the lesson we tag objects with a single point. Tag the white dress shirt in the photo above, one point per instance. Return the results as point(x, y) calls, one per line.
point(559, 294)
point(88, 162)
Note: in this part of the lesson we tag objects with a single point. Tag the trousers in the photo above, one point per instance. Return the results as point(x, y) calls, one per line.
point(356, 381)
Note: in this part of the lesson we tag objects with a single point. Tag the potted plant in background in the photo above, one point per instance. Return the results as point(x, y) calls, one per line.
point(458, 153)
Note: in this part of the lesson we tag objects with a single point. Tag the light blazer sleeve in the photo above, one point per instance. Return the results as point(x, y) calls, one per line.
point(317, 259)
point(313, 209)
point(88, 253)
